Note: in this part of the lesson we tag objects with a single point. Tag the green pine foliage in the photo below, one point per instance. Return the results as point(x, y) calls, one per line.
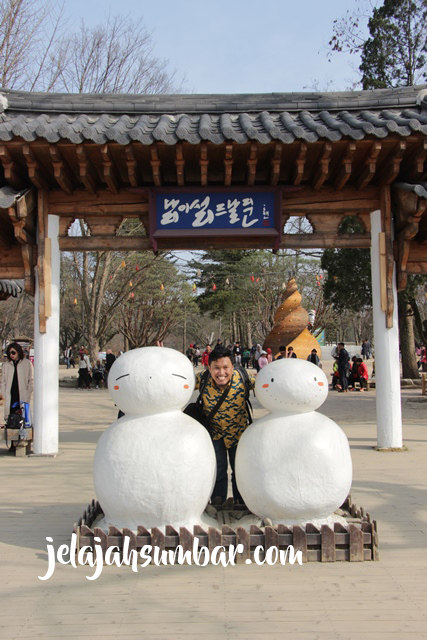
point(395, 53)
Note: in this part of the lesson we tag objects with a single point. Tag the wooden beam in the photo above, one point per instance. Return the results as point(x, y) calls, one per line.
point(204, 163)
point(105, 243)
point(275, 163)
point(323, 170)
point(21, 235)
point(132, 166)
point(10, 168)
point(408, 209)
point(252, 164)
point(228, 163)
point(179, 163)
point(86, 170)
point(12, 272)
point(103, 225)
point(422, 231)
point(386, 218)
point(110, 174)
point(346, 166)
point(370, 166)
point(61, 170)
point(126, 203)
point(325, 241)
point(300, 163)
point(34, 171)
point(418, 161)
point(155, 164)
point(392, 166)
point(42, 216)
point(26, 209)
point(65, 223)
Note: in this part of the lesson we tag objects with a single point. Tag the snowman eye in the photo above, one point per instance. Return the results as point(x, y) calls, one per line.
point(272, 379)
point(315, 379)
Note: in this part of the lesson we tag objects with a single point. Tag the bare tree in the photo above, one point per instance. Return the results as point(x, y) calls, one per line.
point(112, 57)
point(29, 30)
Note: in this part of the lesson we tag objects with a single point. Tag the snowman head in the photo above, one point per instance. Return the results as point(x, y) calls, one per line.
point(291, 385)
point(151, 380)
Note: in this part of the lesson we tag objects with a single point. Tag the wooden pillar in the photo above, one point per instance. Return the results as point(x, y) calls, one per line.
point(386, 333)
point(46, 332)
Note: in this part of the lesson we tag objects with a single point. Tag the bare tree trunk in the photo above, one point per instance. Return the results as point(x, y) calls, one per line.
point(249, 334)
point(234, 327)
point(407, 340)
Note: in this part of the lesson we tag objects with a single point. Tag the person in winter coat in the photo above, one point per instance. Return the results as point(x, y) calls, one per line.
point(17, 379)
point(85, 369)
point(362, 374)
point(205, 355)
point(257, 355)
point(263, 359)
point(314, 358)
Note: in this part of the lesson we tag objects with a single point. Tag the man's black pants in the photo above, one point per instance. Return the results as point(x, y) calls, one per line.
point(221, 484)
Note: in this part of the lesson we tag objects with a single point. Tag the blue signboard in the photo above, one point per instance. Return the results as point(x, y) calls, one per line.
point(215, 210)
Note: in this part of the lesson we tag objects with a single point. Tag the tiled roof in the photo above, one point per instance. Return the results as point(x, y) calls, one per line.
point(216, 118)
point(420, 189)
point(8, 196)
point(11, 288)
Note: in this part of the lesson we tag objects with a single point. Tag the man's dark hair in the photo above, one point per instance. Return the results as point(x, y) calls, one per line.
point(282, 348)
point(341, 344)
point(220, 352)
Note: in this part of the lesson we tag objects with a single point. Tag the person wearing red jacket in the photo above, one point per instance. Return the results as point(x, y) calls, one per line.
point(205, 355)
point(362, 374)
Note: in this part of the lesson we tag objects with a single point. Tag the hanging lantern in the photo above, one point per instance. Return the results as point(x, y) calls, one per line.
point(257, 280)
point(252, 278)
point(123, 263)
point(137, 268)
point(162, 287)
point(199, 273)
point(130, 284)
point(75, 300)
point(111, 277)
point(283, 285)
point(227, 281)
point(214, 287)
point(194, 287)
point(131, 295)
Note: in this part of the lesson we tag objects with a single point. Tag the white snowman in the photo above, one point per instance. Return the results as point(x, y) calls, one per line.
point(294, 464)
point(154, 466)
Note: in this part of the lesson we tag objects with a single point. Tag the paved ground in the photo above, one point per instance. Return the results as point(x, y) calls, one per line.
point(387, 599)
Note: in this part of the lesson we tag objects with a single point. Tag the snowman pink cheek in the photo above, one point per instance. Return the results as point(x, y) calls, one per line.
point(320, 384)
point(186, 386)
point(116, 386)
point(265, 386)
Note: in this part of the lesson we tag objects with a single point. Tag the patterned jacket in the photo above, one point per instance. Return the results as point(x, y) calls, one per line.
point(231, 419)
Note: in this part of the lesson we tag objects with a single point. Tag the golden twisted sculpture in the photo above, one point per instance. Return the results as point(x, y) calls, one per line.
point(290, 325)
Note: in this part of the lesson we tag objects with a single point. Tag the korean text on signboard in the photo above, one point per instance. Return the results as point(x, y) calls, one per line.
point(216, 210)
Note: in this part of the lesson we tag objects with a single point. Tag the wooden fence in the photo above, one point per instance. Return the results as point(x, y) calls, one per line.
point(357, 541)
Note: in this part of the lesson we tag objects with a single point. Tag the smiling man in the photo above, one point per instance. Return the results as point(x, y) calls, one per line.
point(231, 418)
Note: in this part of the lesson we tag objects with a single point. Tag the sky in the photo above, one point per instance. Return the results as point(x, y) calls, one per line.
point(239, 46)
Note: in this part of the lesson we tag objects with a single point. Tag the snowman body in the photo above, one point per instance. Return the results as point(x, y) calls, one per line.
point(294, 464)
point(154, 466)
